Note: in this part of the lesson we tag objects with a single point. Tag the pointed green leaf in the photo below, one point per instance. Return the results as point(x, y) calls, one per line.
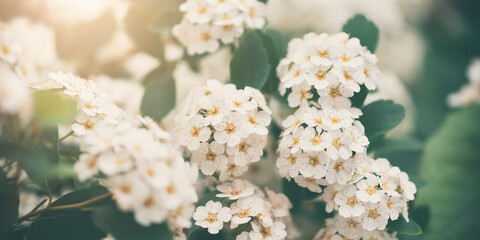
point(381, 116)
point(250, 62)
point(160, 94)
point(360, 27)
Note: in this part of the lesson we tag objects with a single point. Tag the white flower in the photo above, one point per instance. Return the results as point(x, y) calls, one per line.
point(313, 139)
point(368, 190)
point(193, 131)
point(280, 203)
point(258, 122)
point(348, 203)
point(231, 170)
point(408, 187)
point(339, 145)
point(290, 164)
point(249, 150)
point(314, 165)
point(232, 129)
point(268, 230)
point(300, 93)
point(292, 140)
point(375, 216)
point(340, 171)
point(111, 163)
point(235, 190)
point(149, 209)
point(127, 189)
point(86, 166)
point(311, 183)
point(244, 209)
point(212, 216)
point(197, 11)
point(210, 157)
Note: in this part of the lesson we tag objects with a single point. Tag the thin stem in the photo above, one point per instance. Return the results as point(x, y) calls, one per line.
point(64, 207)
point(68, 135)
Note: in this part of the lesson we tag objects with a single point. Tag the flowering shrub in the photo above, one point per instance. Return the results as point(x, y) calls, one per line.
point(267, 128)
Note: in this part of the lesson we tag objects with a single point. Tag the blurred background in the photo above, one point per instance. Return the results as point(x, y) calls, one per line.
point(424, 51)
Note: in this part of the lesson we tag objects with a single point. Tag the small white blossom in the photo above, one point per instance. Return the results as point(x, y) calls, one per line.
point(212, 216)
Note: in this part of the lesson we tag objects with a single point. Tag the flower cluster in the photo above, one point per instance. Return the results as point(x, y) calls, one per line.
point(143, 170)
point(15, 98)
point(382, 193)
point(338, 228)
point(323, 147)
point(246, 203)
point(94, 105)
point(207, 22)
point(223, 129)
point(334, 66)
point(471, 92)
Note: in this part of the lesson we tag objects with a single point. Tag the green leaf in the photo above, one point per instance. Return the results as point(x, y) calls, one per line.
point(381, 116)
point(359, 98)
point(401, 226)
point(159, 96)
point(276, 45)
point(122, 226)
point(360, 27)
point(391, 145)
point(250, 62)
point(137, 25)
point(36, 159)
point(51, 108)
point(8, 204)
point(68, 224)
point(450, 164)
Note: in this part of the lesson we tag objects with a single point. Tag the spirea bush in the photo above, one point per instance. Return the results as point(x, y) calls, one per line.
point(108, 130)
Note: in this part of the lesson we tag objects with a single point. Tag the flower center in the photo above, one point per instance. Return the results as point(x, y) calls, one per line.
point(227, 27)
point(352, 223)
point(243, 147)
point(251, 13)
point(243, 213)
point(304, 94)
point(171, 189)
point(389, 204)
point(367, 74)
point(323, 53)
point(352, 201)
point(292, 159)
point(205, 36)
point(335, 120)
point(265, 231)
point(338, 166)
point(252, 120)
point(126, 188)
point(212, 217)
point(92, 162)
point(316, 140)
point(295, 141)
point(202, 9)
point(230, 128)
point(334, 92)
point(150, 172)
point(373, 213)
point(237, 104)
point(318, 121)
point(337, 143)
point(314, 161)
point(88, 125)
point(347, 75)
point(321, 75)
point(345, 58)
point(195, 132)
point(297, 73)
point(5, 49)
point(149, 202)
point(211, 156)
point(214, 111)
point(371, 190)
